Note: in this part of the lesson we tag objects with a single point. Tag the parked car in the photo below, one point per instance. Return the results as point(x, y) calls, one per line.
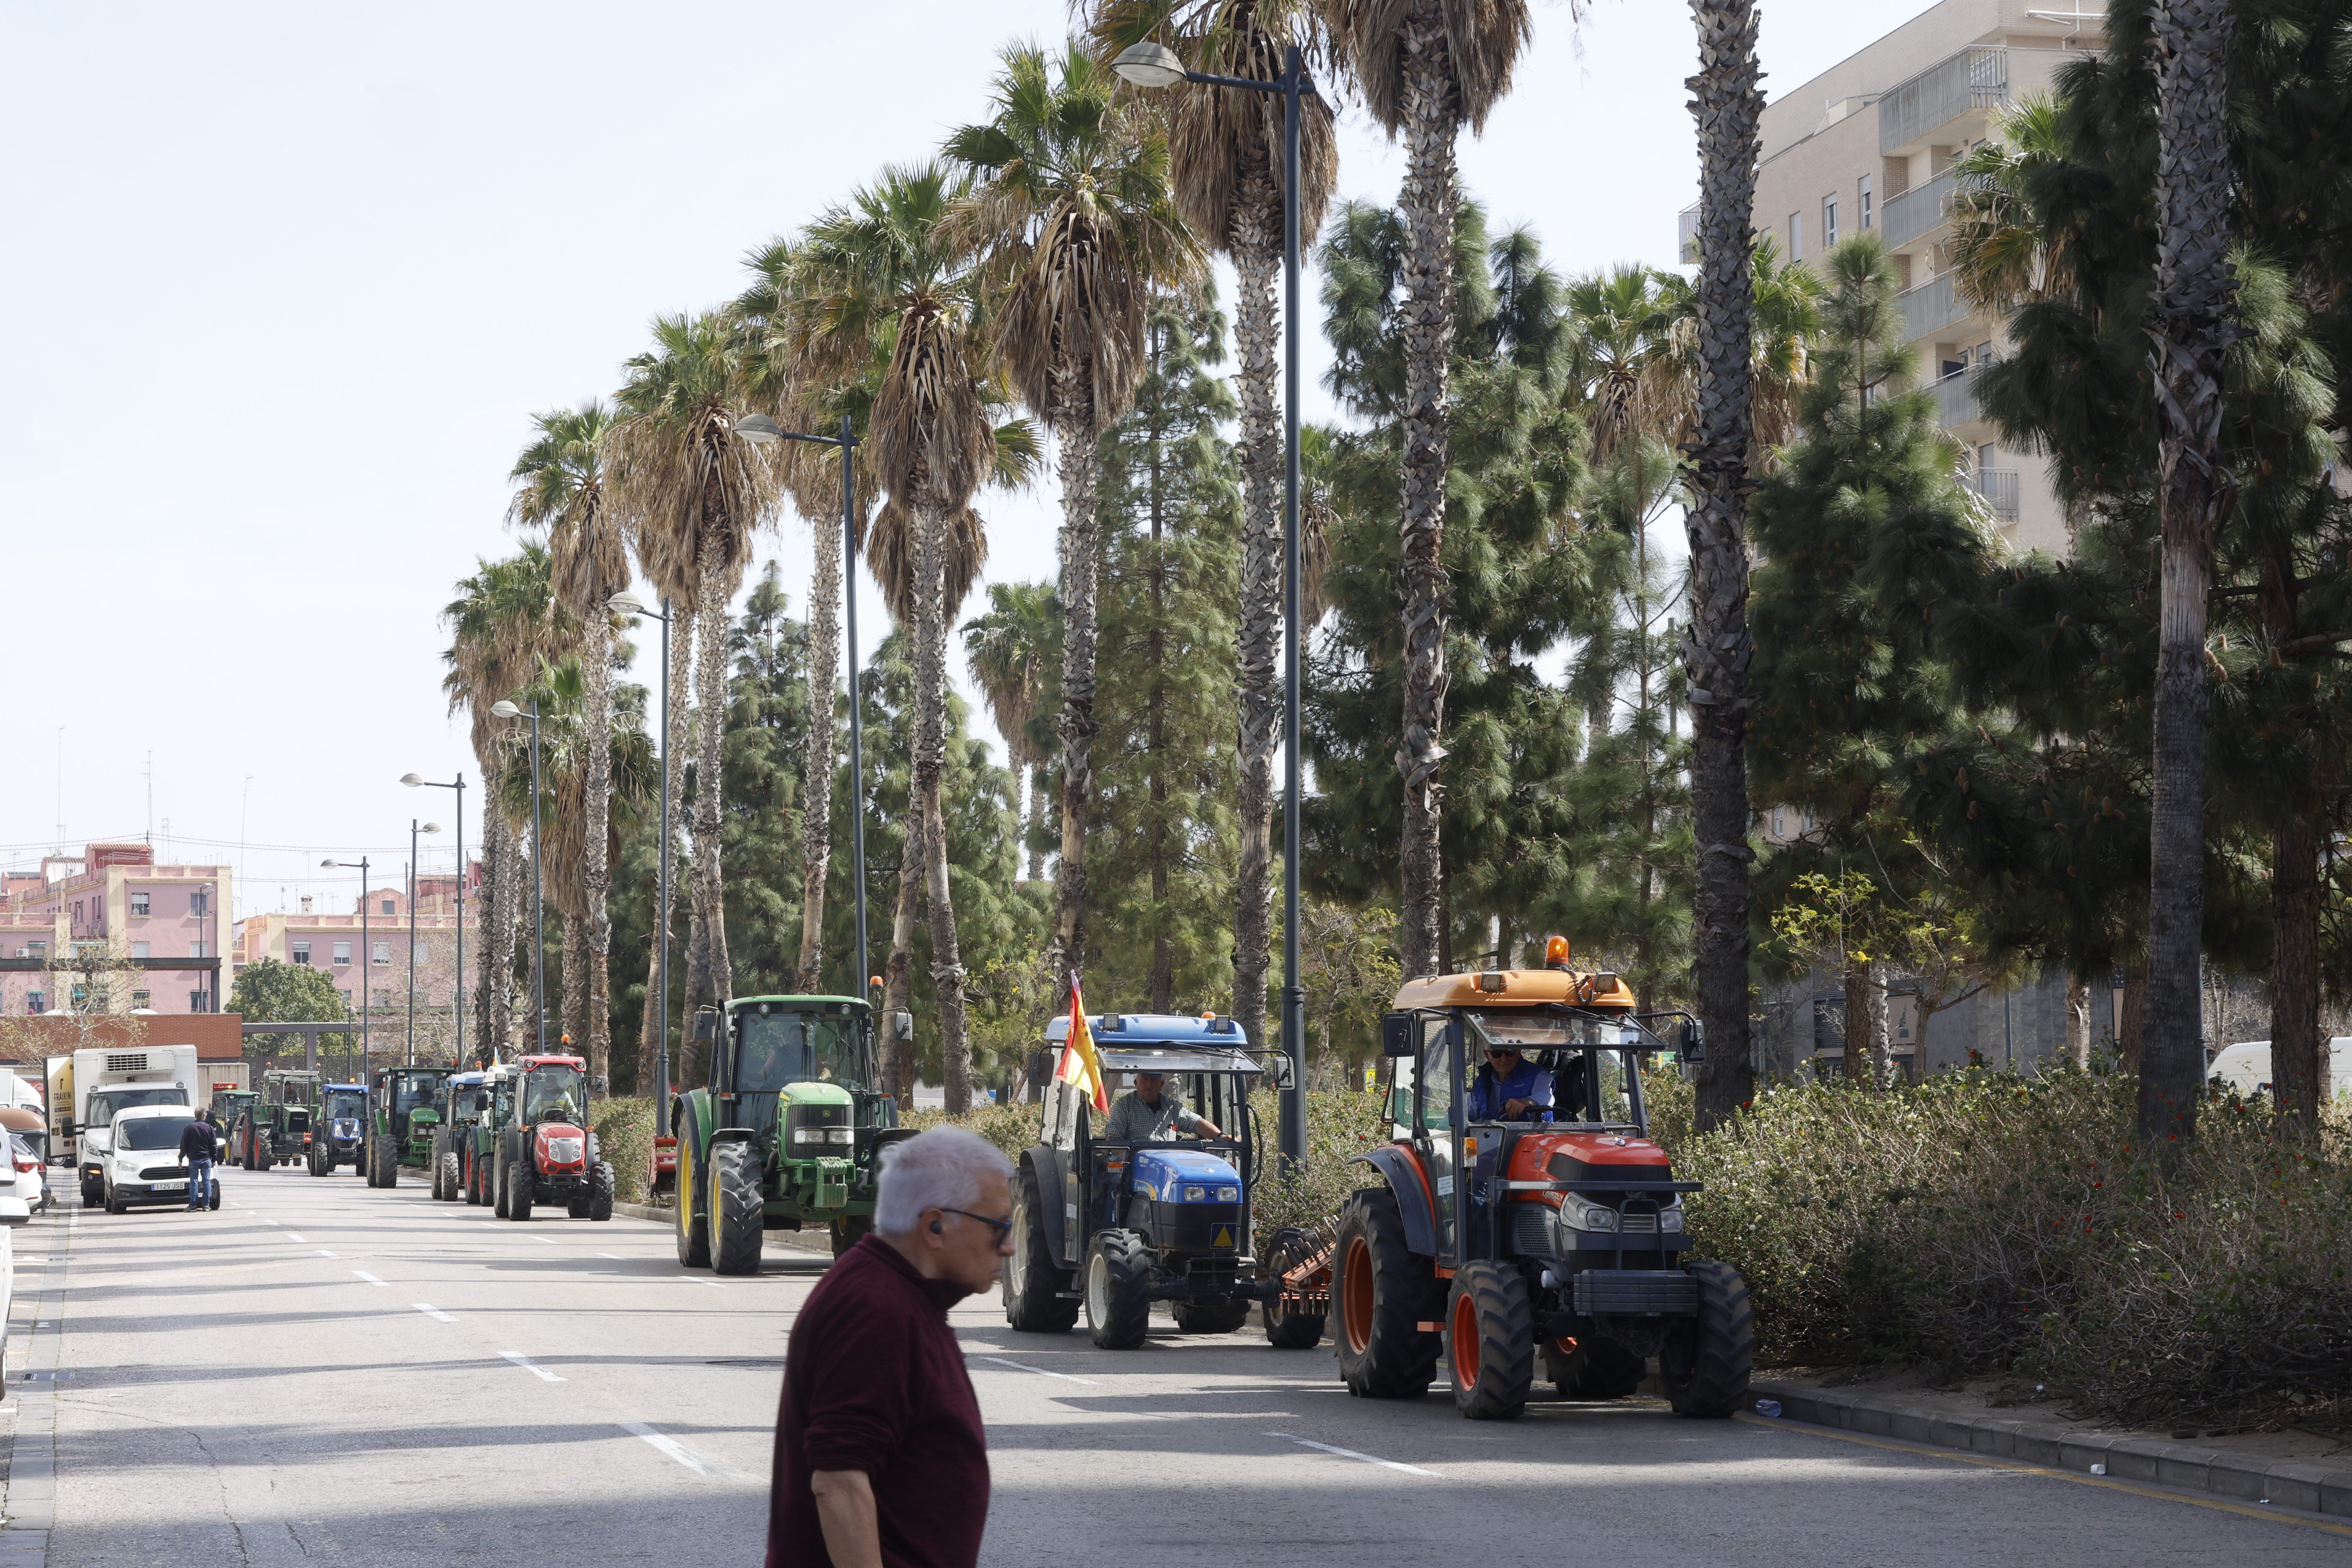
point(141, 1162)
point(31, 1172)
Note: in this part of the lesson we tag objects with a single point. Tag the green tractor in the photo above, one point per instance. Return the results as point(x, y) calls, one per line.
point(475, 1143)
point(787, 1135)
point(465, 1099)
point(276, 1128)
point(403, 1112)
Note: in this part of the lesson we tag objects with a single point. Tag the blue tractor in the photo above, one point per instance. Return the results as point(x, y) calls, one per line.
point(1106, 1229)
point(342, 1121)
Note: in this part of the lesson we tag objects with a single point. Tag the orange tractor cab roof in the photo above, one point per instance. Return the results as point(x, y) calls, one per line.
point(1516, 988)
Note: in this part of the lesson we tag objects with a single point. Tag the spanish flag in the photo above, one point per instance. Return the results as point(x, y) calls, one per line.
point(1079, 1064)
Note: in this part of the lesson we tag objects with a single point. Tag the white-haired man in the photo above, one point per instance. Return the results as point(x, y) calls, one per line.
point(880, 1458)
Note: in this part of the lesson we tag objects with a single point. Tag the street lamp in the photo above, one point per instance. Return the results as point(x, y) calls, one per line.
point(627, 604)
point(503, 710)
point(457, 996)
point(761, 430)
point(1150, 65)
point(366, 958)
point(414, 829)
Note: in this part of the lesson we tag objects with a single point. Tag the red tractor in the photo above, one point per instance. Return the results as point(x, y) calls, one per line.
point(1528, 1216)
point(545, 1152)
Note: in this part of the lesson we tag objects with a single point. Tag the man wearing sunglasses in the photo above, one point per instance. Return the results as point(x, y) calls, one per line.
point(1509, 1087)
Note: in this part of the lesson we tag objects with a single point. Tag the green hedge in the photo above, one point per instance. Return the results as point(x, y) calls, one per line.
point(625, 1137)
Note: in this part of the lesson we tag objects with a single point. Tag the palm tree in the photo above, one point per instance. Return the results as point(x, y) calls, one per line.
point(1727, 101)
point(877, 271)
point(1784, 318)
point(1073, 221)
point(692, 493)
point(2004, 255)
point(2191, 318)
point(1426, 68)
point(560, 480)
point(1013, 654)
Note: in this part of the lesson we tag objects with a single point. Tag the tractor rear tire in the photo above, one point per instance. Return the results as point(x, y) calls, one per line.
point(1384, 1293)
point(736, 1208)
point(433, 1167)
point(1706, 1362)
point(847, 1231)
point(1033, 1279)
point(600, 1191)
point(1287, 1329)
point(1598, 1369)
point(1490, 1342)
point(1118, 1290)
point(1210, 1317)
point(391, 1177)
point(450, 1190)
point(517, 1182)
point(693, 1236)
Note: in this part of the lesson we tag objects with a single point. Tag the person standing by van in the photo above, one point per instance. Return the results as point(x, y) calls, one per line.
point(199, 1147)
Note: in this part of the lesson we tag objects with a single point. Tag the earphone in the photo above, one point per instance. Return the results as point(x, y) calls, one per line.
point(935, 1228)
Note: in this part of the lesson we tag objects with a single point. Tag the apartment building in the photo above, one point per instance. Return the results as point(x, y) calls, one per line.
point(1870, 144)
point(171, 919)
point(368, 958)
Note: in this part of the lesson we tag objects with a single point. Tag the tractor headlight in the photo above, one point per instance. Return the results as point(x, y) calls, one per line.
point(1195, 1195)
point(808, 1134)
point(1581, 1215)
point(1670, 1219)
point(844, 1135)
point(565, 1151)
point(1229, 1194)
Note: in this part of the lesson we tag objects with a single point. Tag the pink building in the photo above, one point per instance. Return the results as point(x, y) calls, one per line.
point(368, 960)
point(171, 920)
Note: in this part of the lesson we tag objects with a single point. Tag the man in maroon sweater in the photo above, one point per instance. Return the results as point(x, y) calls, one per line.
point(880, 1458)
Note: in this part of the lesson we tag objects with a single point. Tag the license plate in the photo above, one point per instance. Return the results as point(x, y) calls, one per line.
point(171, 1187)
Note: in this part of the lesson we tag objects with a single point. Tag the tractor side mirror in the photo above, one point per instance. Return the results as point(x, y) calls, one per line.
point(705, 1028)
point(600, 1084)
point(1691, 1040)
point(1279, 1070)
point(902, 1025)
point(1041, 1067)
point(1398, 1037)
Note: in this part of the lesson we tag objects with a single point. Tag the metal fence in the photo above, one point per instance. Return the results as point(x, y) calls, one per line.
point(1956, 398)
point(1917, 210)
point(1932, 306)
point(1973, 79)
point(1998, 488)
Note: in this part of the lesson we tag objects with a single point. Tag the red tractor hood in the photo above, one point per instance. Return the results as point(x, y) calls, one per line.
point(1586, 1156)
point(544, 1135)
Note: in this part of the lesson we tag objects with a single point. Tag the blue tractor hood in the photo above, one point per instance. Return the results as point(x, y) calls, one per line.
point(1166, 1173)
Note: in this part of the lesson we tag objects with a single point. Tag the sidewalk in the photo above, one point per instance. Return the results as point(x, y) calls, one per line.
point(2288, 1470)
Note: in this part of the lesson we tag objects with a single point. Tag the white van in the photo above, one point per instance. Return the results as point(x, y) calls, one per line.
point(142, 1161)
point(2246, 1066)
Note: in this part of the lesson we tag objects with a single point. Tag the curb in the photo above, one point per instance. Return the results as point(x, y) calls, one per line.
point(2282, 1483)
point(668, 1217)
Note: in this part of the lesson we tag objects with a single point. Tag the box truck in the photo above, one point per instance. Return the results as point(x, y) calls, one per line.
point(88, 1088)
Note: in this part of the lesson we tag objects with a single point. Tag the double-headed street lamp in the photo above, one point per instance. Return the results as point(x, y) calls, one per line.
point(458, 996)
point(627, 604)
point(507, 710)
point(367, 955)
point(414, 827)
point(759, 429)
point(1150, 65)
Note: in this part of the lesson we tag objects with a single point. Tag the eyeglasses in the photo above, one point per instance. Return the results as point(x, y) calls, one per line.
point(1003, 1227)
point(1500, 1055)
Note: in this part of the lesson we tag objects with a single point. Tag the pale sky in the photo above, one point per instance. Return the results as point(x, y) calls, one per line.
point(284, 283)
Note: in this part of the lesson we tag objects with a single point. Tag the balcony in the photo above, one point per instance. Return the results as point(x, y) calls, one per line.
point(1973, 79)
point(1956, 400)
point(1932, 307)
point(1686, 235)
point(1998, 486)
point(1917, 211)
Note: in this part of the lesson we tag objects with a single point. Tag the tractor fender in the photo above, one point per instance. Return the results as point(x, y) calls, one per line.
point(732, 1135)
point(1050, 1189)
point(1402, 1169)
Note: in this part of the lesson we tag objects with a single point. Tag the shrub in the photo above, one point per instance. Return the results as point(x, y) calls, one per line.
point(624, 1138)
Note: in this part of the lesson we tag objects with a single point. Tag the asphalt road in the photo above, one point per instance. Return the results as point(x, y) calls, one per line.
point(321, 1373)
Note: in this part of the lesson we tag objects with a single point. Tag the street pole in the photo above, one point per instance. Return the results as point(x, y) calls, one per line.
point(537, 896)
point(457, 996)
point(409, 1055)
point(857, 719)
point(661, 964)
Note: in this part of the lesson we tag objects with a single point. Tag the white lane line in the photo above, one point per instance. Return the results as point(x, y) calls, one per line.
point(324, 1253)
point(435, 1313)
point(542, 1238)
point(1351, 1454)
point(614, 1255)
point(291, 1236)
point(525, 1363)
point(699, 1280)
point(674, 1450)
point(264, 1220)
point(1041, 1372)
point(368, 1276)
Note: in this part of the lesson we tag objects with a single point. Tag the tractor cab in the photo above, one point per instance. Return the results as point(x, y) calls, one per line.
point(1523, 1210)
point(465, 1096)
point(405, 1111)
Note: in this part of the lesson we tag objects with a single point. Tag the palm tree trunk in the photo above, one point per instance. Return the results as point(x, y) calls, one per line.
point(673, 761)
point(1033, 819)
point(1160, 989)
point(715, 587)
point(2133, 1018)
point(898, 974)
point(596, 853)
point(1856, 1061)
point(816, 775)
point(489, 1034)
point(1727, 101)
point(1081, 548)
point(2298, 1054)
point(1427, 202)
point(1257, 331)
point(2189, 321)
point(506, 935)
point(575, 980)
point(930, 749)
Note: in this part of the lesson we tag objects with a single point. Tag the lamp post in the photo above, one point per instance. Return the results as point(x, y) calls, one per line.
point(366, 958)
point(760, 430)
point(414, 827)
point(1150, 65)
point(538, 880)
point(457, 994)
point(627, 604)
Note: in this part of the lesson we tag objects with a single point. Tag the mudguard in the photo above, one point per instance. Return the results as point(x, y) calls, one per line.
point(1050, 1189)
point(1403, 1172)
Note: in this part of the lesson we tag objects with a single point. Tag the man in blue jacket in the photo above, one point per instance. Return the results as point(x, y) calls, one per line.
point(1509, 1087)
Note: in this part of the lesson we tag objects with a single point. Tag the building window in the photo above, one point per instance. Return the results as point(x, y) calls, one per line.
point(1780, 823)
point(36, 1002)
point(1796, 237)
point(139, 949)
point(200, 1001)
point(1829, 221)
point(420, 953)
point(200, 902)
point(81, 995)
point(196, 949)
point(37, 950)
point(387, 906)
point(302, 952)
point(139, 998)
point(138, 904)
point(1862, 210)
point(342, 953)
point(382, 953)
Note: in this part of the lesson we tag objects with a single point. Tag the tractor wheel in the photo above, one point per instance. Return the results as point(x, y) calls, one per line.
point(1287, 1329)
point(736, 1205)
point(477, 1190)
point(1595, 1368)
point(391, 1164)
point(600, 1191)
point(693, 1237)
point(448, 1180)
point(846, 1231)
point(1118, 1290)
point(1384, 1294)
point(1210, 1317)
point(433, 1167)
point(1490, 1343)
point(516, 1180)
point(1033, 1280)
point(1704, 1363)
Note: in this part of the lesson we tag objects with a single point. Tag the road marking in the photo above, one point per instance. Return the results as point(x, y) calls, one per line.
point(542, 1238)
point(265, 1221)
point(1041, 1372)
point(699, 1280)
point(368, 1276)
point(674, 1448)
point(435, 1313)
point(525, 1363)
point(1982, 1461)
point(324, 1253)
point(614, 1255)
point(291, 1236)
point(1351, 1454)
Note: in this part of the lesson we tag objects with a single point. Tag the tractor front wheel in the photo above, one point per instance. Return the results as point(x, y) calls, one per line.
point(1033, 1279)
point(1384, 1294)
point(1705, 1364)
point(600, 1191)
point(1210, 1317)
point(1118, 1290)
point(451, 1189)
point(693, 1237)
point(1490, 1343)
point(1286, 1326)
point(736, 1205)
point(516, 1180)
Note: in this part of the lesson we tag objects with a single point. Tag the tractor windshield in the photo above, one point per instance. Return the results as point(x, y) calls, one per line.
point(1543, 1029)
point(410, 1090)
point(782, 1048)
point(553, 1094)
point(468, 1103)
point(348, 1105)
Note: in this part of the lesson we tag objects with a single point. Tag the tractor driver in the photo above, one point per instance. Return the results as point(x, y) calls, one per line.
point(1509, 1087)
point(1145, 1115)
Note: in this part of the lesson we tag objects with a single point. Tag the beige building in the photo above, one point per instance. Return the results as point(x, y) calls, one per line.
point(1869, 144)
